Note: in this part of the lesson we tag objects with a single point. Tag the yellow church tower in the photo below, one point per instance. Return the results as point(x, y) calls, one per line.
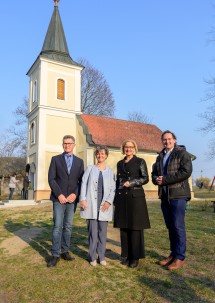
point(54, 101)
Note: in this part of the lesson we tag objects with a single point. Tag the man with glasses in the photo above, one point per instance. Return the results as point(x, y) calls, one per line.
point(171, 171)
point(64, 176)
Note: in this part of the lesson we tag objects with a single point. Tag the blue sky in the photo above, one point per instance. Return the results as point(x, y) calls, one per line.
point(155, 56)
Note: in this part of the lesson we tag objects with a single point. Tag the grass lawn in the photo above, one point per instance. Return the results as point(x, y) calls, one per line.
point(204, 194)
point(25, 240)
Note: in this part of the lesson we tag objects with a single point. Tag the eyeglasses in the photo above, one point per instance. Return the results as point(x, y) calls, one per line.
point(129, 147)
point(68, 143)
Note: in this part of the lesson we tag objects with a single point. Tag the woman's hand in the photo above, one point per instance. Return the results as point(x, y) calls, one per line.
point(83, 204)
point(126, 184)
point(105, 206)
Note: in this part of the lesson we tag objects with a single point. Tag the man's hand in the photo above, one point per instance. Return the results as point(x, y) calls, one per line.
point(105, 206)
point(159, 180)
point(62, 199)
point(71, 198)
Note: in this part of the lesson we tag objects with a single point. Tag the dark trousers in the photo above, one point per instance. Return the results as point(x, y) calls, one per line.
point(174, 216)
point(24, 193)
point(132, 243)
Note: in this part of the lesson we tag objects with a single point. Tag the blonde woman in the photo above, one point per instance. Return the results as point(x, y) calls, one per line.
point(96, 202)
point(131, 214)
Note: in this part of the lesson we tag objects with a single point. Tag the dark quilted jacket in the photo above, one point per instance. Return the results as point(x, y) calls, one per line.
point(179, 169)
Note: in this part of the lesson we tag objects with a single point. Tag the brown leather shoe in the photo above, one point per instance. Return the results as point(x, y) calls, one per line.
point(176, 264)
point(167, 261)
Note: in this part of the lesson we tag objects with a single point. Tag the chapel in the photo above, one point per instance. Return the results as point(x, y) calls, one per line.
point(55, 111)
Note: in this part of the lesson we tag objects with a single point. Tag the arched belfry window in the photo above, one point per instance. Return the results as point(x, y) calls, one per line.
point(33, 133)
point(60, 89)
point(35, 92)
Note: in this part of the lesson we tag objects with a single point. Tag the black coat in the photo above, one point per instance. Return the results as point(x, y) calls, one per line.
point(130, 203)
point(179, 169)
point(60, 181)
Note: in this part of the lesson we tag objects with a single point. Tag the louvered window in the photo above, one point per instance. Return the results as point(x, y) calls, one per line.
point(61, 89)
point(35, 92)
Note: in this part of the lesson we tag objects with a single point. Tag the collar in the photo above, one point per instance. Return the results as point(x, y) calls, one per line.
point(168, 152)
point(68, 155)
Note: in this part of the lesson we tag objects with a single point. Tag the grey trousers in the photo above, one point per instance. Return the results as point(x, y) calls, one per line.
point(97, 236)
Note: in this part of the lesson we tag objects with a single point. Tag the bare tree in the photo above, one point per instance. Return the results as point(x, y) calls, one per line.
point(18, 133)
point(10, 165)
point(96, 96)
point(7, 146)
point(208, 117)
point(138, 117)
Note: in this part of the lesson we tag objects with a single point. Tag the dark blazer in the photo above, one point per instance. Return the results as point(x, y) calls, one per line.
point(60, 181)
point(130, 203)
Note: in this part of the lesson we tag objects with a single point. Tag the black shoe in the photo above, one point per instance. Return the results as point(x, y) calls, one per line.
point(53, 262)
point(124, 261)
point(133, 263)
point(66, 256)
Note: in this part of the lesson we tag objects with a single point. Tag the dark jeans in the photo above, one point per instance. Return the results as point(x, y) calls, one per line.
point(61, 237)
point(11, 193)
point(25, 193)
point(174, 216)
point(132, 243)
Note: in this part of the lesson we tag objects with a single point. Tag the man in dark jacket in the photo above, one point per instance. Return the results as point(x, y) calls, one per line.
point(26, 183)
point(65, 173)
point(170, 172)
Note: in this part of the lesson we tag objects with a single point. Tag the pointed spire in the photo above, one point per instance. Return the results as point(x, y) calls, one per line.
point(55, 45)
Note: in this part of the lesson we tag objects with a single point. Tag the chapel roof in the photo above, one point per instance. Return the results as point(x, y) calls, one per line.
point(112, 132)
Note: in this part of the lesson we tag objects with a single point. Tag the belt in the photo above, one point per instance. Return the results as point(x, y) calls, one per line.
point(130, 188)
